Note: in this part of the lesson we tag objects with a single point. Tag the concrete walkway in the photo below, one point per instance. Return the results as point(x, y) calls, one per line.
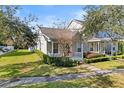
point(33, 80)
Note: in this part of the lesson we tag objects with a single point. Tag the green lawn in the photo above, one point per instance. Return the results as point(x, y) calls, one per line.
point(22, 63)
point(18, 56)
point(115, 80)
point(113, 64)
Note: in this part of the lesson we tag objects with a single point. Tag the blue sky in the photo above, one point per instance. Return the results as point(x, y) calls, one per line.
point(48, 14)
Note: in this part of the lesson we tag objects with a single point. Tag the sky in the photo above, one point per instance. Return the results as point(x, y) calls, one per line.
point(47, 14)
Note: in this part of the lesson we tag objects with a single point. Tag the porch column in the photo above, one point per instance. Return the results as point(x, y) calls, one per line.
point(98, 48)
point(116, 47)
point(52, 48)
point(82, 50)
point(111, 48)
point(104, 44)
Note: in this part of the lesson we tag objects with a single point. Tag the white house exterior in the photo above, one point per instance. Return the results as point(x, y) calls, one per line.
point(100, 43)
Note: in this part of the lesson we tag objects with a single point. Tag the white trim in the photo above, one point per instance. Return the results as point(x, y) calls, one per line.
point(82, 50)
point(52, 47)
point(111, 48)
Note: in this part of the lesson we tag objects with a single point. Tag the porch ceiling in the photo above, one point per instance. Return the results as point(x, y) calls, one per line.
point(99, 39)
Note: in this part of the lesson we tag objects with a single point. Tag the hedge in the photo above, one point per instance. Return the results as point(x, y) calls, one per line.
point(118, 56)
point(94, 60)
point(44, 57)
point(57, 61)
point(93, 55)
point(63, 61)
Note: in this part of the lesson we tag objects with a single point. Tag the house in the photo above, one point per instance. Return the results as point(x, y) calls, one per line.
point(100, 43)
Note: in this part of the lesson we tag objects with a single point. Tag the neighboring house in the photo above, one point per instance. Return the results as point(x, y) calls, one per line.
point(99, 43)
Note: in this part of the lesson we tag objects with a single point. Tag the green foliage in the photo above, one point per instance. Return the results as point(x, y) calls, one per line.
point(15, 30)
point(93, 55)
point(57, 61)
point(123, 57)
point(94, 60)
point(104, 18)
point(121, 47)
point(63, 61)
point(44, 58)
point(115, 57)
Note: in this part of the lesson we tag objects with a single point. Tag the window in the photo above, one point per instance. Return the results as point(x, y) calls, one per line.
point(91, 47)
point(55, 47)
point(114, 48)
point(79, 50)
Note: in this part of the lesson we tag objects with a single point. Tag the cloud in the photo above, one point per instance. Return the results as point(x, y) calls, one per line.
point(79, 14)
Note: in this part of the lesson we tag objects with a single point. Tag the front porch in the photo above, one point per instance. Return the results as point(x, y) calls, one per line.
point(54, 50)
point(103, 46)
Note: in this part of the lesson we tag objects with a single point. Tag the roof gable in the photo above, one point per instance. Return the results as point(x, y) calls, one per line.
point(75, 24)
point(55, 34)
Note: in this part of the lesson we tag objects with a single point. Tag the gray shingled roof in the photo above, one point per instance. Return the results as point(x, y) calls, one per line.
point(55, 33)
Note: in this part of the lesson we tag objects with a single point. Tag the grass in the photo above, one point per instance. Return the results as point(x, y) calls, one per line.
point(113, 64)
point(114, 80)
point(18, 56)
point(36, 69)
point(22, 63)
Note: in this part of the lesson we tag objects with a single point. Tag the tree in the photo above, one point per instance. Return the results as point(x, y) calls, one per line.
point(16, 29)
point(64, 43)
point(60, 24)
point(109, 19)
point(104, 18)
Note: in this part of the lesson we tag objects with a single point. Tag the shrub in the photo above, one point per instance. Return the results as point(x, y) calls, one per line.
point(57, 61)
point(114, 57)
point(118, 56)
point(94, 60)
point(44, 57)
point(119, 53)
point(63, 61)
point(93, 55)
point(122, 57)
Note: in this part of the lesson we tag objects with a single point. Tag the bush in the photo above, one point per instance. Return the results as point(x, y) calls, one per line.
point(44, 58)
point(63, 61)
point(93, 55)
point(94, 60)
point(118, 56)
point(57, 61)
point(122, 57)
point(114, 57)
point(119, 53)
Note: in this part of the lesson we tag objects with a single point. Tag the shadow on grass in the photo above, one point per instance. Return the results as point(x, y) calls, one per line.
point(14, 70)
point(120, 67)
point(37, 68)
point(96, 82)
point(17, 53)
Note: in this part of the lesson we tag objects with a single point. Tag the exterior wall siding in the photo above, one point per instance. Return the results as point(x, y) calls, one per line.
point(42, 44)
